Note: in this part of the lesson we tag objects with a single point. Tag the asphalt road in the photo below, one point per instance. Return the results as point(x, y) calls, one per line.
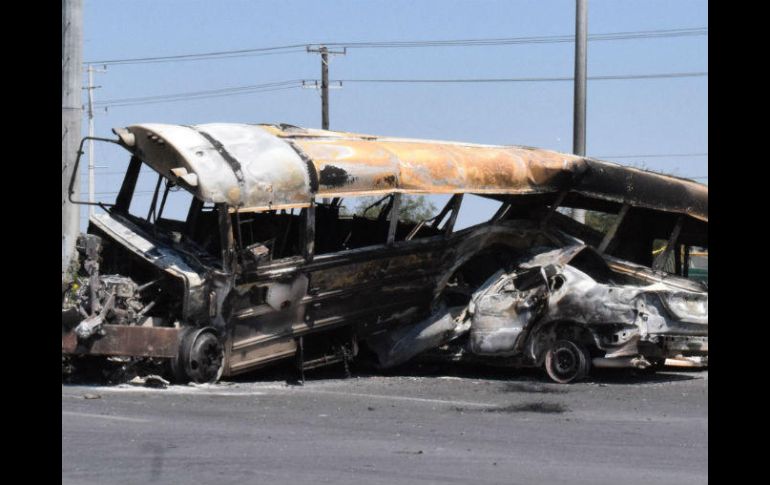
point(467, 427)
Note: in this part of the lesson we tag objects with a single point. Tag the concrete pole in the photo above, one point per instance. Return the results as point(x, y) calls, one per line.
point(581, 65)
point(71, 112)
point(91, 166)
point(91, 181)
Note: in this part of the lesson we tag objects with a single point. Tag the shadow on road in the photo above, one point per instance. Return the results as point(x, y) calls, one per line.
point(515, 380)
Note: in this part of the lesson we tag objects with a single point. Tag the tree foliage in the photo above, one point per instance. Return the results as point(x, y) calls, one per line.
point(413, 208)
point(601, 221)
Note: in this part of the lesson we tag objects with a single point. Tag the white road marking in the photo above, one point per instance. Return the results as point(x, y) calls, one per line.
point(176, 389)
point(105, 416)
point(211, 390)
point(397, 398)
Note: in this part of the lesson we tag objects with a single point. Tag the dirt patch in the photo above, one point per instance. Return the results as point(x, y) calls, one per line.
point(531, 388)
point(530, 407)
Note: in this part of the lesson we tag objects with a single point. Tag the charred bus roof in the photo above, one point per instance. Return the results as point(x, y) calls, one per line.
point(266, 167)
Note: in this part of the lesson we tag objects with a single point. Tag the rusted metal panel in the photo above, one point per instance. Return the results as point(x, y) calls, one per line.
point(126, 340)
point(246, 357)
point(686, 344)
point(369, 163)
point(262, 167)
point(350, 166)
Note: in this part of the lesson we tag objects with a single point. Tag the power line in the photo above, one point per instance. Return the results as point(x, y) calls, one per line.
point(205, 92)
point(186, 97)
point(530, 79)
point(644, 34)
point(291, 84)
point(138, 192)
point(207, 55)
point(296, 48)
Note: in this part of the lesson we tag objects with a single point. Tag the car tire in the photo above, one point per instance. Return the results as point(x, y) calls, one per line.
point(567, 361)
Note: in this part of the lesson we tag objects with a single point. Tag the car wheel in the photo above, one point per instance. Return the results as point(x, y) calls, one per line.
point(567, 361)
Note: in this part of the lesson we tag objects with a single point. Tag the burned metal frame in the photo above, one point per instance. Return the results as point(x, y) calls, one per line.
point(453, 205)
point(394, 212)
point(553, 208)
point(660, 260)
point(613, 229)
point(75, 171)
point(127, 188)
point(300, 304)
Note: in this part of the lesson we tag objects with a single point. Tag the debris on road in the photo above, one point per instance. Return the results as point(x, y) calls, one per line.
point(153, 381)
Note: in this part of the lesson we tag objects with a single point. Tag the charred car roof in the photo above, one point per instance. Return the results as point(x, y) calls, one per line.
point(264, 167)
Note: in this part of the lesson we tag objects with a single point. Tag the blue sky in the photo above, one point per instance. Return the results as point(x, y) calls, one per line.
point(658, 116)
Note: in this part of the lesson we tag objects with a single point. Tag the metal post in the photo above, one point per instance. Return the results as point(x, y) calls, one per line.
point(91, 173)
point(72, 59)
point(324, 88)
point(394, 213)
point(581, 64)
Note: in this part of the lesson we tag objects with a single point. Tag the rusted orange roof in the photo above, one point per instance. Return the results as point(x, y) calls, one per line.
point(275, 166)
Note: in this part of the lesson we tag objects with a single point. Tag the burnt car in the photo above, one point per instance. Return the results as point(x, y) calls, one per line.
point(568, 309)
point(261, 262)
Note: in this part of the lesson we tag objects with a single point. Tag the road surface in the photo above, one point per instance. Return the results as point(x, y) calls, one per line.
point(465, 427)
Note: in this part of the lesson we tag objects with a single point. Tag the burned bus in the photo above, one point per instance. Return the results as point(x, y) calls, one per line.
point(267, 264)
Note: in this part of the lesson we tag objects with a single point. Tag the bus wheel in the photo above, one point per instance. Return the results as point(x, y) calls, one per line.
point(201, 357)
point(567, 361)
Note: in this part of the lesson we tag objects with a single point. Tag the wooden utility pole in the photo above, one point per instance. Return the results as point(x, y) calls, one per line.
point(581, 64)
point(71, 112)
point(324, 51)
point(324, 88)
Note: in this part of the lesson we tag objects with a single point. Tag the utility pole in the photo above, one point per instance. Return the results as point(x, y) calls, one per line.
point(581, 64)
point(324, 88)
point(324, 51)
point(91, 174)
point(71, 111)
